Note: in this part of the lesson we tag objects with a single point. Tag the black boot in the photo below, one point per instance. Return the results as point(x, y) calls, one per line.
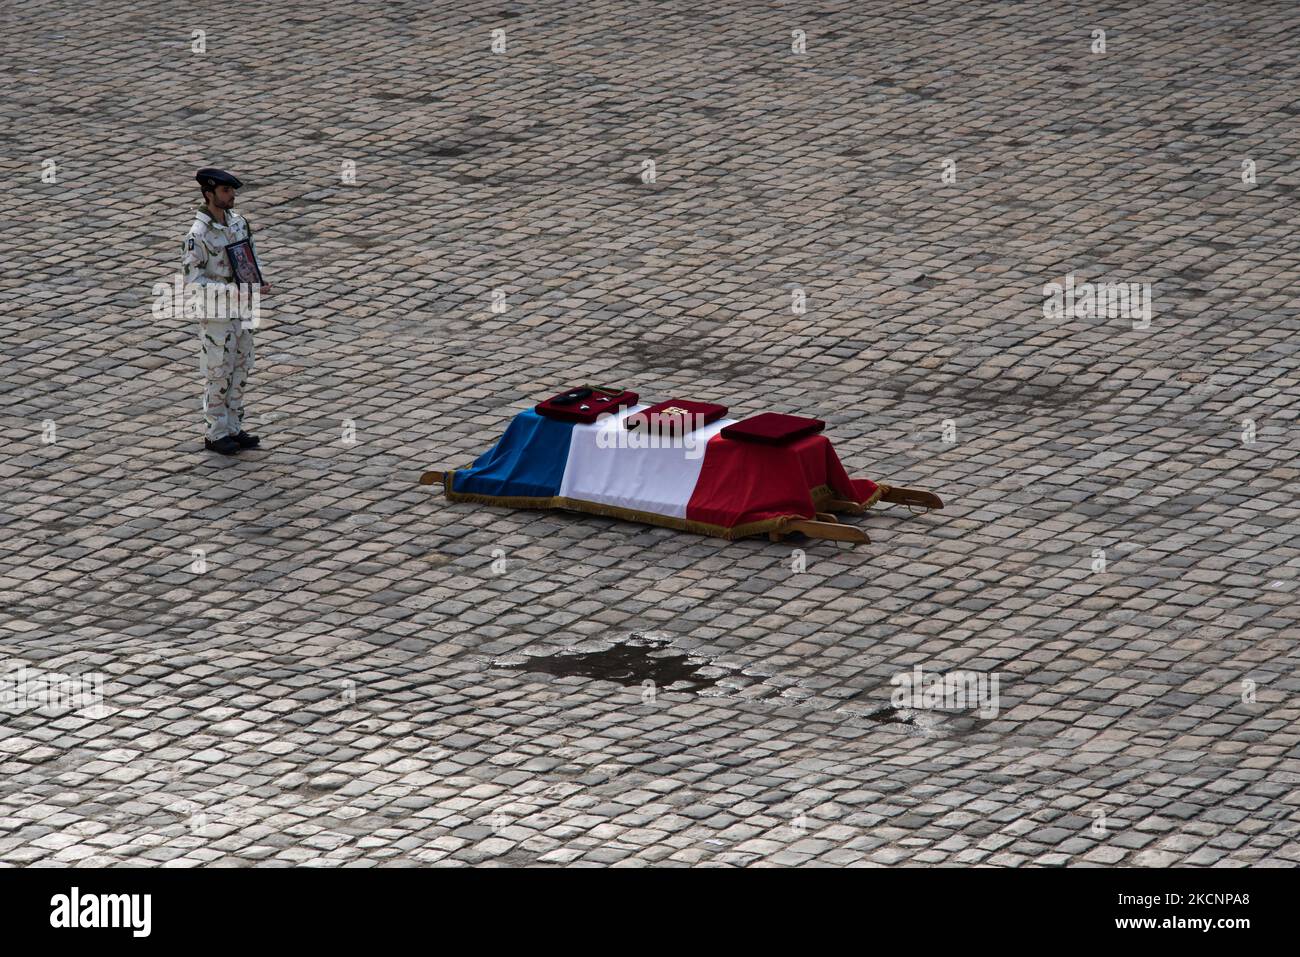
point(247, 441)
point(226, 446)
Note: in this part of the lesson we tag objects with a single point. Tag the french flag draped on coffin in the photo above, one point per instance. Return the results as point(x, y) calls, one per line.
point(676, 464)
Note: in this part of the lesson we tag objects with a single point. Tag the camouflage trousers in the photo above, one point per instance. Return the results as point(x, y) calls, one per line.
point(225, 360)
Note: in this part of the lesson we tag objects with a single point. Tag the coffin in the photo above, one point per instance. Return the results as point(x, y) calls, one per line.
point(701, 481)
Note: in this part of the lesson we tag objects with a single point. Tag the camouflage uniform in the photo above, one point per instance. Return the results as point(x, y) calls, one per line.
point(225, 346)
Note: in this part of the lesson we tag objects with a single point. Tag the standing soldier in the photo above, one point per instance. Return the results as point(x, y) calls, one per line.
point(225, 344)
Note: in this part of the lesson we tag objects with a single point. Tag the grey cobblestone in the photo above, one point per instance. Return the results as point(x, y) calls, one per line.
point(329, 691)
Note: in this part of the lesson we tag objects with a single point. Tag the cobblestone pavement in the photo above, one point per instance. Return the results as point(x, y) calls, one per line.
point(333, 687)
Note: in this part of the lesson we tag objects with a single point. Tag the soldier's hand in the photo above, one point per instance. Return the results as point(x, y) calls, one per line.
point(266, 289)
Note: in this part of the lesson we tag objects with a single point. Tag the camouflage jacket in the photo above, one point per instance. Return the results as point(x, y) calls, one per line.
point(204, 260)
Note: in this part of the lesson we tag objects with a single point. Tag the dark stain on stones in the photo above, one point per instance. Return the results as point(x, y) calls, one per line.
point(253, 531)
point(987, 395)
point(928, 723)
point(626, 664)
point(406, 97)
point(443, 150)
point(680, 353)
point(892, 715)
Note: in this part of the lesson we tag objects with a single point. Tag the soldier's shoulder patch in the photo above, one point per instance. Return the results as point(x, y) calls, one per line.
point(189, 241)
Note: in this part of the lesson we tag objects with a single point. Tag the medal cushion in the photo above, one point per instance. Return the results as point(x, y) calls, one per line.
point(773, 428)
point(573, 405)
point(678, 415)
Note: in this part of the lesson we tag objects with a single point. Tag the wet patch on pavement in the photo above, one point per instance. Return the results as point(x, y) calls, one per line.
point(927, 723)
point(630, 663)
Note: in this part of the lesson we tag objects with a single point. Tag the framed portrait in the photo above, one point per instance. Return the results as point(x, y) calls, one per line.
point(244, 263)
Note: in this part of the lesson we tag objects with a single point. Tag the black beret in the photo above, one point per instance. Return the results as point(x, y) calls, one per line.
point(210, 177)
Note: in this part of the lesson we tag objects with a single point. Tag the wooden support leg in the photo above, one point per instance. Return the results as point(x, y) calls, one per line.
point(438, 478)
point(832, 531)
point(909, 496)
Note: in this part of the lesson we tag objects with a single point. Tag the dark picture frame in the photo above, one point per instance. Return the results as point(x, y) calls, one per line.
point(243, 261)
